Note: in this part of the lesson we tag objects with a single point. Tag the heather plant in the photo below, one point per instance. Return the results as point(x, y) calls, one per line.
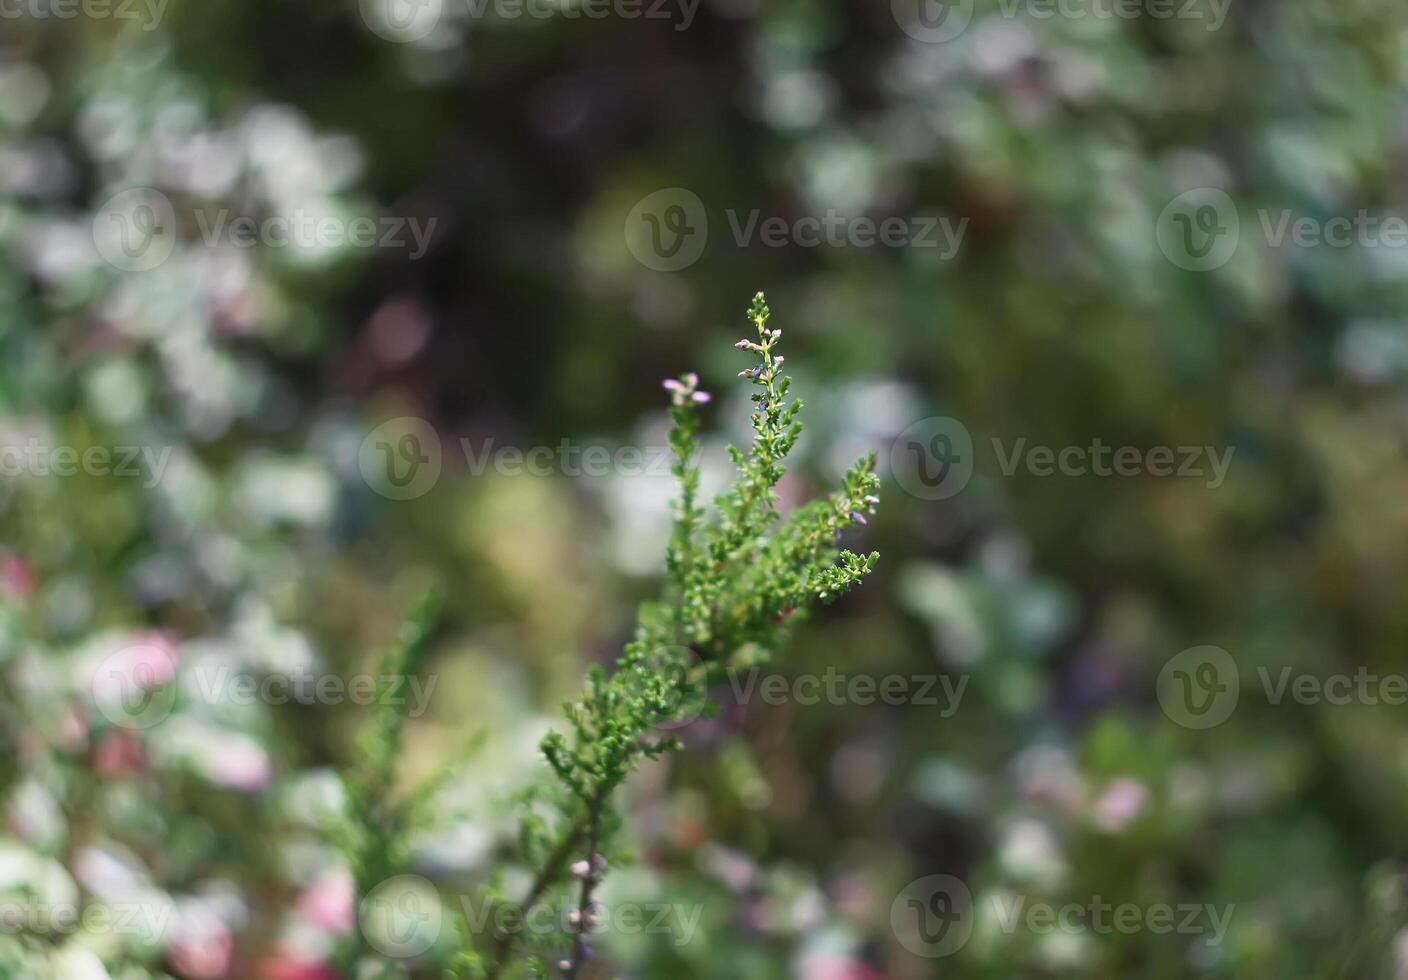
point(738, 579)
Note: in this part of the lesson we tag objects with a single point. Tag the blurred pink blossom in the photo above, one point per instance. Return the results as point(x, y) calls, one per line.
point(1119, 805)
point(329, 902)
point(17, 579)
point(119, 754)
point(245, 766)
point(146, 660)
point(202, 956)
point(837, 968)
point(284, 967)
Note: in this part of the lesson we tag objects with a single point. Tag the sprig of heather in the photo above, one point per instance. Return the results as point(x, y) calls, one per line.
point(375, 829)
point(733, 582)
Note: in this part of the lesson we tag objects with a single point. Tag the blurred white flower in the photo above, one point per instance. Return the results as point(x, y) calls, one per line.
point(35, 815)
point(224, 757)
point(44, 881)
point(73, 962)
point(1029, 852)
point(273, 489)
point(24, 91)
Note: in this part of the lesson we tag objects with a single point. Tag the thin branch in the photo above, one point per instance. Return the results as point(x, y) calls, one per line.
point(589, 883)
point(551, 871)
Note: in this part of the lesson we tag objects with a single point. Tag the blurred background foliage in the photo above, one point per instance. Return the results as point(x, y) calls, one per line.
point(261, 549)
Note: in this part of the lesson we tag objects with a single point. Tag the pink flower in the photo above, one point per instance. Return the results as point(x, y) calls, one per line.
point(837, 968)
point(202, 956)
point(1119, 805)
point(71, 732)
point(120, 754)
point(329, 902)
point(17, 579)
point(686, 390)
point(145, 661)
point(245, 767)
point(285, 967)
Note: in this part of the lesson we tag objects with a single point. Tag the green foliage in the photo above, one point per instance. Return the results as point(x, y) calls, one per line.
point(735, 582)
point(375, 833)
